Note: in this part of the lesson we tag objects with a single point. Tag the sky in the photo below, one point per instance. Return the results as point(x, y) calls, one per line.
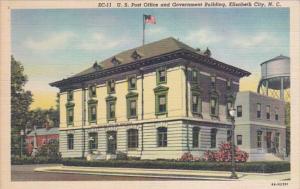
point(53, 44)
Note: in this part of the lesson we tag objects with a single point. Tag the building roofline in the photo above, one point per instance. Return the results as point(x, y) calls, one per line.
point(258, 94)
point(176, 54)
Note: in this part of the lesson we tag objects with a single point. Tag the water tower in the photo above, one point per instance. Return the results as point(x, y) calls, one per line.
point(275, 78)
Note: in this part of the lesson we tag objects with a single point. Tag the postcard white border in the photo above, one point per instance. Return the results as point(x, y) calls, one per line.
point(5, 49)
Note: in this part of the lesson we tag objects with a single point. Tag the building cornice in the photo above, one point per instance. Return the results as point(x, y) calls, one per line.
point(188, 55)
point(205, 122)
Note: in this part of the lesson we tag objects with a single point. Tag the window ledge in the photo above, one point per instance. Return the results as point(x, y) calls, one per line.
point(161, 82)
point(111, 119)
point(132, 117)
point(161, 113)
point(133, 149)
point(196, 114)
point(214, 116)
point(132, 89)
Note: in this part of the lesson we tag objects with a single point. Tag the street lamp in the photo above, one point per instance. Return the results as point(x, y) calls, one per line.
point(232, 112)
point(21, 148)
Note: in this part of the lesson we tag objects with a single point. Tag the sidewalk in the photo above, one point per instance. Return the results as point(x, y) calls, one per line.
point(165, 173)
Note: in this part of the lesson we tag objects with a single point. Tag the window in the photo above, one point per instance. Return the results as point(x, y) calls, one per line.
point(70, 141)
point(162, 104)
point(258, 110)
point(228, 84)
point(132, 138)
point(92, 113)
point(229, 136)
point(93, 141)
point(131, 105)
point(228, 107)
point(161, 99)
point(196, 103)
point(111, 86)
point(132, 82)
point(196, 132)
point(258, 139)
point(239, 140)
point(213, 81)
point(162, 137)
point(92, 91)
point(135, 55)
point(194, 76)
point(213, 138)
point(70, 115)
point(132, 108)
point(268, 112)
point(111, 108)
point(276, 114)
point(239, 112)
point(115, 61)
point(214, 106)
point(70, 96)
point(161, 75)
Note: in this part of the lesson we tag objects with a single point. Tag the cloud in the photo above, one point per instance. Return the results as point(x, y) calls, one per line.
point(203, 36)
point(256, 40)
point(100, 41)
point(51, 42)
point(156, 30)
point(92, 42)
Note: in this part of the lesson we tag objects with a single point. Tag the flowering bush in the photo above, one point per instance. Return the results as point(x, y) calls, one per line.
point(187, 156)
point(224, 154)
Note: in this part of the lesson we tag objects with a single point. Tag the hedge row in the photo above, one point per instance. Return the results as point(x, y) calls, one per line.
point(33, 160)
point(257, 167)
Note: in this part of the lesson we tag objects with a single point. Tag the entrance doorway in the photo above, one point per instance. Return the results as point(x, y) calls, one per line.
point(111, 142)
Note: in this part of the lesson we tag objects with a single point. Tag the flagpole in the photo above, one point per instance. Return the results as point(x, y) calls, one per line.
point(143, 29)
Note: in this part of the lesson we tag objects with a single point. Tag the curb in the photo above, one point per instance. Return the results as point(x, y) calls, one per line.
point(175, 174)
point(165, 173)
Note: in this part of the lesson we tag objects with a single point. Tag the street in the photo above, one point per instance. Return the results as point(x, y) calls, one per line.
point(27, 173)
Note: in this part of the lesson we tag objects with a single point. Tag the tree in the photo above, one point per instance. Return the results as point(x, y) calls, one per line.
point(20, 102)
point(39, 117)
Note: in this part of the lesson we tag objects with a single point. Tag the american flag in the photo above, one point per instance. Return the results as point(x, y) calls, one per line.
point(149, 19)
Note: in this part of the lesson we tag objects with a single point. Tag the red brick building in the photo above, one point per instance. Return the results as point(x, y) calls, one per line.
point(40, 137)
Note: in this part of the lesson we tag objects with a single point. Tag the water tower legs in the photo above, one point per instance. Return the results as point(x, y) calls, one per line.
point(281, 89)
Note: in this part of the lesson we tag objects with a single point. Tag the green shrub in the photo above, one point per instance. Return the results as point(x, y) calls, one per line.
point(33, 160)
point(50, 150)
point(258, 167)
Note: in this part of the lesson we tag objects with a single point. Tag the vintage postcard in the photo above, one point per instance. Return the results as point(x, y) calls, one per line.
point(156, 93)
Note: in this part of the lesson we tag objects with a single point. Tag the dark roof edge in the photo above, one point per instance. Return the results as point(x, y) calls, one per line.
point(240, 72)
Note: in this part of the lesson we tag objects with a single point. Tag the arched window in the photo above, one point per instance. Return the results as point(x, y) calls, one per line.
point(132, 138)
point(162, 137)
point(196, 132)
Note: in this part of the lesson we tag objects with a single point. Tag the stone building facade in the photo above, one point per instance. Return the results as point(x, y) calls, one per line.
point(159, 100)
point(260, 126)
